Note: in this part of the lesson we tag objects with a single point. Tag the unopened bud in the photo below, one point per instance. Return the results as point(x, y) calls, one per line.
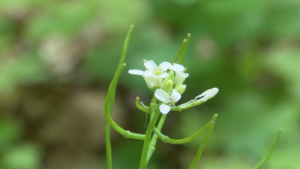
point(169, 77)
point(180, 88)
point(168, 85)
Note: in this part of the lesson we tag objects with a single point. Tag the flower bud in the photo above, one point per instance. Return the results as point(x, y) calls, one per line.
point(168, 85)
point(180, 88)
point(170, 76)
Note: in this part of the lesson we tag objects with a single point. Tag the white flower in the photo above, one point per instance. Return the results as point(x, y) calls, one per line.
point(208, 94)
point(168, 100)
point(154, 74)
point(180, 75)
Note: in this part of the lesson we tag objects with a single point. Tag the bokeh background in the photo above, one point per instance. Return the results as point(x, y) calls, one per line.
point(57, 59)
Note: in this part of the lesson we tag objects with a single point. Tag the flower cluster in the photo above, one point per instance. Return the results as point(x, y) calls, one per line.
point(166, 80)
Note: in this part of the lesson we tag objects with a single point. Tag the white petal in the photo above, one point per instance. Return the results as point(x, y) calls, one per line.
point(150, 81)
point(149, 78)
point(180, 77)
point(136, 72)
point(158, 80)
point(175, 96)
point(164, 109)
point(178, 67)
point(208, 94)
point(162, 95)
point(173, 68)
point(150, 64)
point(165, 65)
point(212, 93)
point(164, 75)
point(148, 73)
point(201, 95)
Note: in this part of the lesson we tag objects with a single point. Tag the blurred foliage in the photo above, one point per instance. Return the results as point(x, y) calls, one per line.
point(58, 57)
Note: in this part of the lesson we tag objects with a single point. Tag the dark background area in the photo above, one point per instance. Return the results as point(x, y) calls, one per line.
point(58, 57)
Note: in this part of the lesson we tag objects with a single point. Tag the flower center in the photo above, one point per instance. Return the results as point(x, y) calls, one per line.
point(157, 71)
point(171, 101)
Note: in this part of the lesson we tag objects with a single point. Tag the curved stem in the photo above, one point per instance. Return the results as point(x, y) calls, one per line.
point(166, 139)
point(142, 107)
point(202, 146)
point(149, 130)
point(107, 109)
point(110, 98)
point(268, 155)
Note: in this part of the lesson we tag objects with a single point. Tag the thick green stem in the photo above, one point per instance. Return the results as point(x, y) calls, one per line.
point(166, 139)
point(179, 51)
point(202, 146)
point(184, 50)
point(268, 155)
point(149, 130)
point(154, 138)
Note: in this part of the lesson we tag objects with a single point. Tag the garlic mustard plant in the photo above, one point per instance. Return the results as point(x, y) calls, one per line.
point(166, 82)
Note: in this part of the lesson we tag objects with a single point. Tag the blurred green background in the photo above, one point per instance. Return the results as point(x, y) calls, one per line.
point(57, 59)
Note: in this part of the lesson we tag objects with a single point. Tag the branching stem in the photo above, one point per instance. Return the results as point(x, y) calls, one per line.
point(149, 130)
point(202, 146)
point(166, 139)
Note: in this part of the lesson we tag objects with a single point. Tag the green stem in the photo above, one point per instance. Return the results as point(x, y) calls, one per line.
point(109, 100)
point(184, 50)
point(179, 51)
point(166, 139)
point(108, 145)
point(125, 133)
point(107, 131)
point(125, 45)
point(149, 130)
point(107, 103)
point(202, 146)
point(268, 155)
point(154, 138)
